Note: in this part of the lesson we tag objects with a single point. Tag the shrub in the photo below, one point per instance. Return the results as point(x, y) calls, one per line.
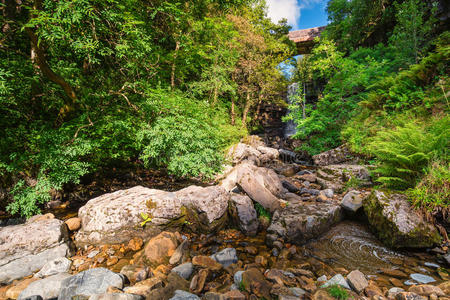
point(403, 153)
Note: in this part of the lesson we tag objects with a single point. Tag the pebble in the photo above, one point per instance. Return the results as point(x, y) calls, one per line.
point(422, 278)
point(93, 254)
point(184, 270)
point(432, 265)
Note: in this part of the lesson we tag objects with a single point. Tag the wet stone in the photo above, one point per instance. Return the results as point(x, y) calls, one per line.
point(337, 280)
point(183, 295)
point(184, 270)
point(226, 257)
point(420, 278)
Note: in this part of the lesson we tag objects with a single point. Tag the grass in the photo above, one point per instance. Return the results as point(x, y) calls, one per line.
point(338, 292)
point(262, 212)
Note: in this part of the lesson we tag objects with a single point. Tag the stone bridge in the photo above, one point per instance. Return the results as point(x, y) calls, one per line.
point(304, 39)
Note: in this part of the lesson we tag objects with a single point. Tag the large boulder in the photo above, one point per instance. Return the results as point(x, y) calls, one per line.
point(115, 217)
point(396, 223)
point(241, 152)
point(26, 248)
point(334, 156)
point(244, 214)
point(262, 185)
point(300, 223)
point(337, 177)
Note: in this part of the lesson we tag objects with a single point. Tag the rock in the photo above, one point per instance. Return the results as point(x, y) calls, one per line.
point(408, 296)
point(59, 265)
point(420, 278)
point(47, 288)
point(73, 224)
point(135, 273)
point(445, 287)
point(226, 257)
point(396, 223)
point(233, 295)
point(26, 248)
point(115, 217)
point(135, 244)
point(14, 291)
point(174, 282)
point(322, 278)
point(322, 295)
point(241, 152)
point(267, 154)
point(289, 170)
point(327, 193)
point(289, 186)
point(254, 282)
point(93, 253)
point(394, 273)
point(185, 270)
point(178, 254)
point(447, 258)
point(245, 214)
point(206, 262)
point(309, 191)
point(280, 277)
point(308, 177)
point(299, 223)
point(336, 177)
point(159, 249)
point(394, 291)
point(287, 297)
point(238, 277)
point(337, 280)
point(144, 287)
point(297, 291)
point(426, 290)
point(357, 281)
point(115, 296)
point(334, 156)
point(90, 282)
point(352, 201)
point(261, 185)
point(198, 281)
point(182, 295)
point(35, 297)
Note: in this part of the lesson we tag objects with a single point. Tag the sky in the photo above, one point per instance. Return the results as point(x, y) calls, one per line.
point(301, 14)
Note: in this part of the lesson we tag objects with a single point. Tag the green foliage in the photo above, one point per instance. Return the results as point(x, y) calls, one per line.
point(262, 212)
point(146, 219)
point(338, 292)
point(242, 286)
point(434, 189)
point(117, 82)
point(403, 153)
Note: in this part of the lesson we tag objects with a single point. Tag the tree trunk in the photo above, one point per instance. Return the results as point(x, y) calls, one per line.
point(233, 114)
point(246, 109)
point(172, 76)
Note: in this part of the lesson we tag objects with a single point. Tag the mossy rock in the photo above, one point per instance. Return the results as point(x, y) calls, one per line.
point(396, 223)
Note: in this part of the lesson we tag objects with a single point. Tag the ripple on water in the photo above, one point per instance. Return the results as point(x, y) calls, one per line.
point(351, 245)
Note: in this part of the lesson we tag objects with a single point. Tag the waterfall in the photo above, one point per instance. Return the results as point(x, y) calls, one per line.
point(290, 127)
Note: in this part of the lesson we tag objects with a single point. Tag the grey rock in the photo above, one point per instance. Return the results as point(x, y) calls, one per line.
point(410, 282)
point(92, 254)
point(184, 270)
point(47, 288)
point(335, 177)
point(432, 265)
point(226, 257)
point(357, 281)
point(59, 265)
point(322, 278)
point(334, 156)
point(303, 172)
point(394, 291)
point(407, 228)
point(420, 278)
point(26, 248)
point(352, 201)
point(182, 295)
point(337, 280)
point(309, 191)
point(90, 282)
point(289, 186)
point(238, 277)
point(113, 218)
point(299, 223)
point(116, 296)
point(178, 254)
point(34, 297)
point(327, 193)
point(297, 291)
point(287, 297)
point(243, 152)
point(234, 287)
point(245, 213)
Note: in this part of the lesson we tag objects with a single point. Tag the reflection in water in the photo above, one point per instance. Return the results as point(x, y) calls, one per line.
point(352, 246)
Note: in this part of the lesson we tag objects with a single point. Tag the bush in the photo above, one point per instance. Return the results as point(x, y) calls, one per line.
point(434, 189)
point(404, 153)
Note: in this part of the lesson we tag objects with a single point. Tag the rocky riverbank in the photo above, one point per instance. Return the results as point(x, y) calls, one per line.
point(268, 229)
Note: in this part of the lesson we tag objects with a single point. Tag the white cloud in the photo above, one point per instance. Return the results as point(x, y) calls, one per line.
point(289, 9)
